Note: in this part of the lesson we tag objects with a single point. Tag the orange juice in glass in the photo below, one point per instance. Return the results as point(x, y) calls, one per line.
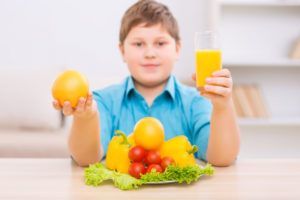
point(208, 56)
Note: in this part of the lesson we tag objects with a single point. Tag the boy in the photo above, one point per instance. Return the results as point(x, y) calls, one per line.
point(150, 45)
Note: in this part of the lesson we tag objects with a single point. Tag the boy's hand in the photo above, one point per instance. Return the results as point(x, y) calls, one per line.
point(85, 108)
point(218, 88)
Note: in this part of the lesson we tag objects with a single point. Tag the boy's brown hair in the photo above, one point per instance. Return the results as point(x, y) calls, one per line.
point(151, 13)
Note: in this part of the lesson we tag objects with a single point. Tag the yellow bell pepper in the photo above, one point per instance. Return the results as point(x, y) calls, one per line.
point(180, 149)
point(117, 153)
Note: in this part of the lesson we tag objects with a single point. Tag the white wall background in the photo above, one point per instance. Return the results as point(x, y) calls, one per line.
point(83, 34)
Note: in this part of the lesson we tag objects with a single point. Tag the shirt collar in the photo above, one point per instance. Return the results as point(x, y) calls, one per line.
point(130, 85)
point(169, 88)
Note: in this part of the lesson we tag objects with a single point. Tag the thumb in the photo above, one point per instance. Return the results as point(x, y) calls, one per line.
point(194, 76)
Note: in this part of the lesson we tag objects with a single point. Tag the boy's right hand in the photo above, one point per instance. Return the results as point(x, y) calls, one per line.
point(85, 108)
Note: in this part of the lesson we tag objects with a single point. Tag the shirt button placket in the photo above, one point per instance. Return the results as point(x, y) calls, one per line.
point(145, 107)
point(148, 110)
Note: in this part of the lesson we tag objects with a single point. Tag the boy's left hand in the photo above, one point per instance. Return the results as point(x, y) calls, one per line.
point(218, 88)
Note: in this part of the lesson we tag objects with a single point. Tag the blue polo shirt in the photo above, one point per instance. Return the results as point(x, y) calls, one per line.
point(180, 108)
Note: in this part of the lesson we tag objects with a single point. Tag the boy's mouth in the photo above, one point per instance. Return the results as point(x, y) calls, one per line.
point(150, 65)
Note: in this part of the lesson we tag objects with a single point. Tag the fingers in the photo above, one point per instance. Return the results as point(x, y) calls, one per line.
point(89, 101)
point(222, 73)
point(219, 90)
point(67, 108)
point(218, 86)
point(84, 104)
point(220, 81)
point(56, 105)
point(80, 108)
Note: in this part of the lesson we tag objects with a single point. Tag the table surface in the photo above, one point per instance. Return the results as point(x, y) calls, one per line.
point(62, 179)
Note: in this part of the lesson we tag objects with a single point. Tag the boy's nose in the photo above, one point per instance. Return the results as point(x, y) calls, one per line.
point(150, 53)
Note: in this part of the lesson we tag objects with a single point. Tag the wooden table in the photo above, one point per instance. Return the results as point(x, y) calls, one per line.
point(62, 179)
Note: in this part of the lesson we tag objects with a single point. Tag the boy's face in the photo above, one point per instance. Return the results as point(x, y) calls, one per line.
point(150, 53)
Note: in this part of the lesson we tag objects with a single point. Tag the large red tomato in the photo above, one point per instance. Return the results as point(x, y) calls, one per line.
point(153, 157)
point(137, 169)
point(137, 154)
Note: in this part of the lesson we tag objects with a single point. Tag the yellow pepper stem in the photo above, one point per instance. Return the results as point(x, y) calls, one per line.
point(124, 137)
point(193, 150)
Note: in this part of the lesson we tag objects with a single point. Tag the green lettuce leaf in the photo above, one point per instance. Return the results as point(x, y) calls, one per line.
point(173, 173)
point(97, 173)
point(126, 182)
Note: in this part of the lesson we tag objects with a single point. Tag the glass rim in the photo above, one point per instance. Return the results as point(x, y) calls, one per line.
point(206, 32)
point(206, 39)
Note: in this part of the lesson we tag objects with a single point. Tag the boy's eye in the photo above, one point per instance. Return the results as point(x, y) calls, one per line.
point(138, 44)
point(161, 43)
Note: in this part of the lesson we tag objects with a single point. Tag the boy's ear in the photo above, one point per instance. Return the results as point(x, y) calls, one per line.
point(178, 48)
point(121, 48)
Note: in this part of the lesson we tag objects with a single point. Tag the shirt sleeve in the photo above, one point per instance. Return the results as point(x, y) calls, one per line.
point(201, 114)
point(105, 120)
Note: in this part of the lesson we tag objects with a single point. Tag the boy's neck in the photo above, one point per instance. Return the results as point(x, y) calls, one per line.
point(150, 92)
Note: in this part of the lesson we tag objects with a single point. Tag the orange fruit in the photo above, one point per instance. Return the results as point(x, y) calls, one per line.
point(130, 139)
point(70, 86)
point(149, 133)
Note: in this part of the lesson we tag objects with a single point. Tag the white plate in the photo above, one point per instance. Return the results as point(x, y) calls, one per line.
point(161, 182)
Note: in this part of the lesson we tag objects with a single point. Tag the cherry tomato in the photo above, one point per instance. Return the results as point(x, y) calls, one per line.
point(166, 161)
point(153, 157)
point(137, 154)
point(154, 167)
point(137, 169)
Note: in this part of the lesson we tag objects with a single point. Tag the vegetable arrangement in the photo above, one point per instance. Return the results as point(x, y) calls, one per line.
point(144, 157)
point(97, 173)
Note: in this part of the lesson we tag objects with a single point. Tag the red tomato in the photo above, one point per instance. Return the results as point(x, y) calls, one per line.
point(155, 167)
point(137, 154)
point(137, 169)
point(166, 161)
point(153, 157)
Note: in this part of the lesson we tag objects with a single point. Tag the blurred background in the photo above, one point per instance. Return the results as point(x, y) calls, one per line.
point(260, 42)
